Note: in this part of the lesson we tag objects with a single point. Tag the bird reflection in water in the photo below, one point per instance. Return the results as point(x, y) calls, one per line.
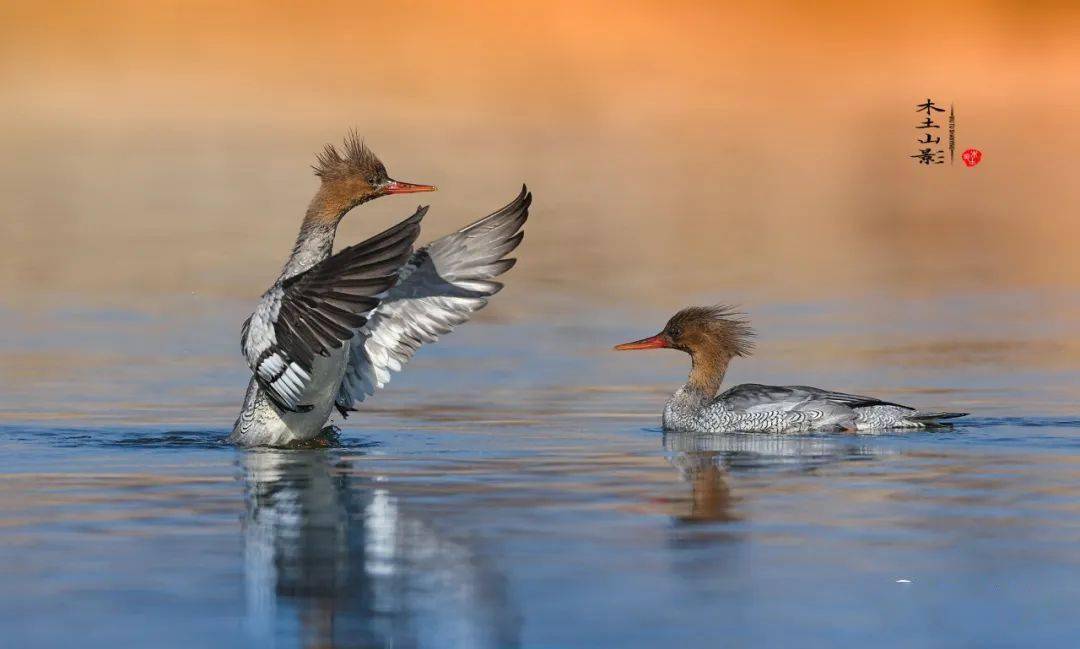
point(704, 460)
point(334, 559)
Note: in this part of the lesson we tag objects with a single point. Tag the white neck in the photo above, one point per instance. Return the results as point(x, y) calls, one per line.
point(314, 244)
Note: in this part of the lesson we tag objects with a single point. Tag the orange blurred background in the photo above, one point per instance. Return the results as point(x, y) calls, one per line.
point(675, 149)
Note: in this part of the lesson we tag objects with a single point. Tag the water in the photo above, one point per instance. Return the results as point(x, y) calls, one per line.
point(513, 489)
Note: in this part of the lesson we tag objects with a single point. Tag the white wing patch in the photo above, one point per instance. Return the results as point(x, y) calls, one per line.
point(288, 380)
point(440, 288)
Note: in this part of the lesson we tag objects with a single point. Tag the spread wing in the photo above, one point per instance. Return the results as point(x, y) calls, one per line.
point(786, 397)
point(440, 288)
point(320, 309)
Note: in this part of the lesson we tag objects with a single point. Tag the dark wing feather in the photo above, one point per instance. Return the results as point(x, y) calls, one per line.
point(320, 309)
point(440, 288)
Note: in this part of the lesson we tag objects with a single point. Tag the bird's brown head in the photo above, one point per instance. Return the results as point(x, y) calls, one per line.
point(702, 330)
point(355, 175)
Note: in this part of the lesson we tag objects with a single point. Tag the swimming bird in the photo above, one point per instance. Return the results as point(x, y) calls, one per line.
point(332, 328)
point(713, 336)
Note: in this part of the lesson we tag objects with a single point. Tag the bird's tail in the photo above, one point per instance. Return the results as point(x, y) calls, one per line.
point(934, 417)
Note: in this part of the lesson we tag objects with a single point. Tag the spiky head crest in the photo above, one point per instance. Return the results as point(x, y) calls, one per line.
point(355, 161)
point(718, 328)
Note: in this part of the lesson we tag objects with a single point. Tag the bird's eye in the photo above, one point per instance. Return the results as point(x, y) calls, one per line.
point(675, 332)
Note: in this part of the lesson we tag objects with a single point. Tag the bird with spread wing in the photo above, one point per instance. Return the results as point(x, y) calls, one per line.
point(332, 328)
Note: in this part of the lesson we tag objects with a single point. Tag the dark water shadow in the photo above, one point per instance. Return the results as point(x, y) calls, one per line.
point(1020, 422)
point(150, 439)
point(117, 437)
point(185, 439)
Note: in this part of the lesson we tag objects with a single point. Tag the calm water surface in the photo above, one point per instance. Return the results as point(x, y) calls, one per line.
point(513, 489)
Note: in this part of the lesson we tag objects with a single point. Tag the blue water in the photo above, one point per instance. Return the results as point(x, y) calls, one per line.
point(513, 489)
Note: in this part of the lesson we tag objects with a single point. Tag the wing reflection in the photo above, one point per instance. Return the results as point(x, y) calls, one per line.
point(704, 459)
point(335, 560)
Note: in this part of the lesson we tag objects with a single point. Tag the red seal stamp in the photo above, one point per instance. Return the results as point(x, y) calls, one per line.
point(972, 157)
